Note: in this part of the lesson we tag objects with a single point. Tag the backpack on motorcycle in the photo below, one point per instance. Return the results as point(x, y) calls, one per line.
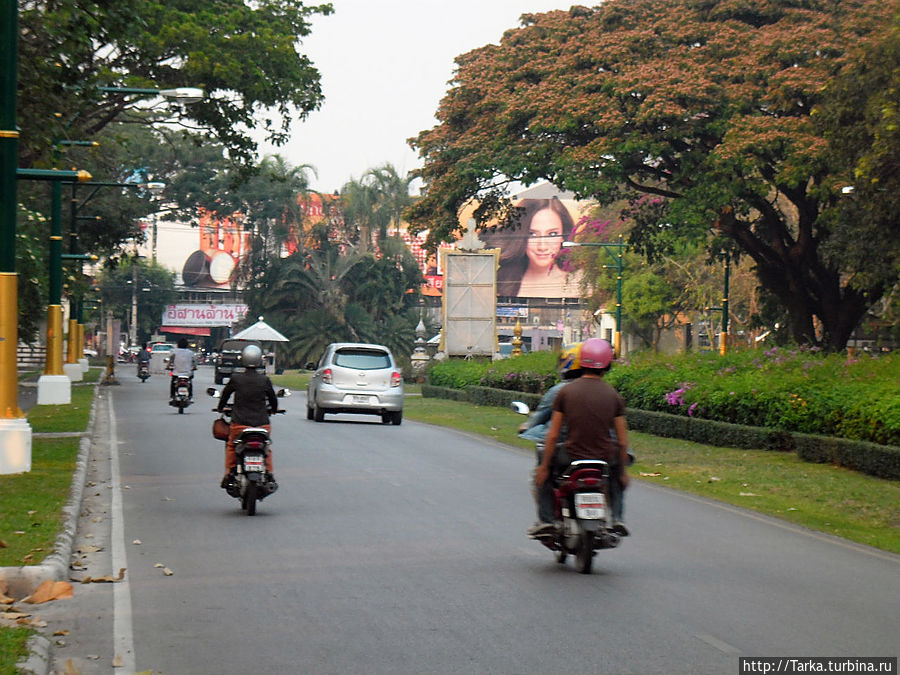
point(220, 429)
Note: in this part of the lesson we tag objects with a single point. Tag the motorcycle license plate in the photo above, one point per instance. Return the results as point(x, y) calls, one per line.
point(590, 505)
point(254, 463)
point(182, 391)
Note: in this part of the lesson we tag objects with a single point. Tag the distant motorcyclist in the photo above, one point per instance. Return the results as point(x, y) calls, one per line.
point(143, 356)
point(254, 398)
point(182, 363)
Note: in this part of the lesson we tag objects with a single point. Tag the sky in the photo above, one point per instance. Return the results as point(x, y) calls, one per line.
point(385, 65)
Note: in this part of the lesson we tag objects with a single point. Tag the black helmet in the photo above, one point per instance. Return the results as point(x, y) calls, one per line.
point(251, 356)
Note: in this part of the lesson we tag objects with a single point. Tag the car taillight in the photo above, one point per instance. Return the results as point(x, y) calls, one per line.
point(396, 379)
point(326, 376)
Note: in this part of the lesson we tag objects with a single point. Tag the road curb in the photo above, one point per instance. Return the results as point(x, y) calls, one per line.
point(38, 660)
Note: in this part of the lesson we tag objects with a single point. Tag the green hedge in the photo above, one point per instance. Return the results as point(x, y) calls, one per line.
point(870, 458)
point(792, 390)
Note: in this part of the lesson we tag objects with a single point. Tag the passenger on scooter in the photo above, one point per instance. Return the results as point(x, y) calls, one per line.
point(535, 429)
point(182, 363)
point(254, 397)
point(589, 408)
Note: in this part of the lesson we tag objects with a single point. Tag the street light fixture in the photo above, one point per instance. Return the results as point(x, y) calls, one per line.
point(615, 251)
point(179, 94)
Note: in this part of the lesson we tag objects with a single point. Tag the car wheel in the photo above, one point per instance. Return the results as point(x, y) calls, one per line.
point(318, 414)
point(218, 379)
point(397, 418)
point(386, 418)
point(309, 413)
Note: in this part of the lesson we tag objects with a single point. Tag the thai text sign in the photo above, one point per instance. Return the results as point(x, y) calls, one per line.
point(203, 315)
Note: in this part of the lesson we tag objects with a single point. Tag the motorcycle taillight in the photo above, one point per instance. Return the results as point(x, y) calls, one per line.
point(254, 445)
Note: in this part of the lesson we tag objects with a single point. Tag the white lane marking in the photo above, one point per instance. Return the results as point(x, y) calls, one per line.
point(717, 643)
point(123, 633)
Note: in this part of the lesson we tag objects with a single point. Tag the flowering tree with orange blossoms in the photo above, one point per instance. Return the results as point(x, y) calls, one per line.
point(705, 104)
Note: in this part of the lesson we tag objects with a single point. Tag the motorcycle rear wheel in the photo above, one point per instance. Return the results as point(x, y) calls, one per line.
point(584, 556)
point(249, 501)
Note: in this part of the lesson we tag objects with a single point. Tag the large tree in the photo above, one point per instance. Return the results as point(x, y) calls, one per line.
point(244, 54)
point(705, 104)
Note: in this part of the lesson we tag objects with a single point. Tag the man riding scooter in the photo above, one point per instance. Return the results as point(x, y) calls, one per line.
point(182, 363)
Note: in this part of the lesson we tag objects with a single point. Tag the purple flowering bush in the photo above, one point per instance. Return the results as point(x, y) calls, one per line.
point(791, 389)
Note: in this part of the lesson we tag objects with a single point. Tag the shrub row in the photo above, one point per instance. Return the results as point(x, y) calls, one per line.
point(874, 459)
point(792, 390)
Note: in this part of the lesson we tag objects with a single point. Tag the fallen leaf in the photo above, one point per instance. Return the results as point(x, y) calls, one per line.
point(167, 499)
point(792, 509)
point(48, 591)
point(118, 661)
point(167, 571)
point(650, 474)
point(71, 669)
point(13, 616)
point(747, 494)
point(61, 633)
point(92, 657)
point(98, 519)
point(4, 600)
point(19, 532)
point(90, 548)
point(2, 544)
point(31, 513)
point(137, 542)
point(159, 565)
point(713, 479)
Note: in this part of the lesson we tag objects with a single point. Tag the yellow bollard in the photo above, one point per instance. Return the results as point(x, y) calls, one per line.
point(9, 331)
point(53, 365)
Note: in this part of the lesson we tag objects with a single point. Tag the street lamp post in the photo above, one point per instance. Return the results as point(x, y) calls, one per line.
point(616, 252)
point(15, 432)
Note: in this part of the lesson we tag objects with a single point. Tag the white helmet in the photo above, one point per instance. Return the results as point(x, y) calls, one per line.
point(251, 356)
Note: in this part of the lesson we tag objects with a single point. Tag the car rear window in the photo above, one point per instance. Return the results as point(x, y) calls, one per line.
point(362, 359)
point(236, 345)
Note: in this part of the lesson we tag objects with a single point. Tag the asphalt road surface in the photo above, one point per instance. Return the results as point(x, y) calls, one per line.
point(402, 550)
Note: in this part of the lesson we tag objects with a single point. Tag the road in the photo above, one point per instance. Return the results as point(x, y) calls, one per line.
point(402, 550)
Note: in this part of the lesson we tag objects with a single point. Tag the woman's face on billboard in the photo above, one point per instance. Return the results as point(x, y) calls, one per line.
point(545, 238)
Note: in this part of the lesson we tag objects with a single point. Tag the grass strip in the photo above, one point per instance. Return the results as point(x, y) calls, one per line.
point(71, 417)
point(13, 648)
point(31, 503)
point(821, 497)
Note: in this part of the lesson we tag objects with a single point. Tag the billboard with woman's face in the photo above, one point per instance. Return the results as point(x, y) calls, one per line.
point(532, 259)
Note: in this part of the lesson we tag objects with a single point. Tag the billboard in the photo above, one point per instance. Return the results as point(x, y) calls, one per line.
point(533, 263)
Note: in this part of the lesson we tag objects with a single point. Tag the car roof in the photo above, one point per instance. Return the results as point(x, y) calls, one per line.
point(358, 345)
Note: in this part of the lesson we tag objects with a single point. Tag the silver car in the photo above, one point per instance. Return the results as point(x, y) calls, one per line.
point(353, 377)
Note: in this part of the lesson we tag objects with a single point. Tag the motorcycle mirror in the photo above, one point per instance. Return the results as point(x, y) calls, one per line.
point(520, 407)
point(213, 392)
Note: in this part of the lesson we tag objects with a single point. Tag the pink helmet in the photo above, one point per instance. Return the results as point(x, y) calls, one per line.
point(596, 353)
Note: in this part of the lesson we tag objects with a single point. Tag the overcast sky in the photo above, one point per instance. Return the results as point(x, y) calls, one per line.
point(385, 65)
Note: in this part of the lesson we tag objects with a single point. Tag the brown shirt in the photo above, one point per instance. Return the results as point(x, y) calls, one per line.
point(590, 405)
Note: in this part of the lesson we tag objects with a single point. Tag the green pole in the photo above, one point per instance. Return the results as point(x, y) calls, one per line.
point(9, 146)
point(723, 342)
point(619, 263)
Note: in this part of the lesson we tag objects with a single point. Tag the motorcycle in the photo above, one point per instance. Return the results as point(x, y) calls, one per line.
point(182, 398)
point(143, 370)
point(251, 481)
point(582, 511)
